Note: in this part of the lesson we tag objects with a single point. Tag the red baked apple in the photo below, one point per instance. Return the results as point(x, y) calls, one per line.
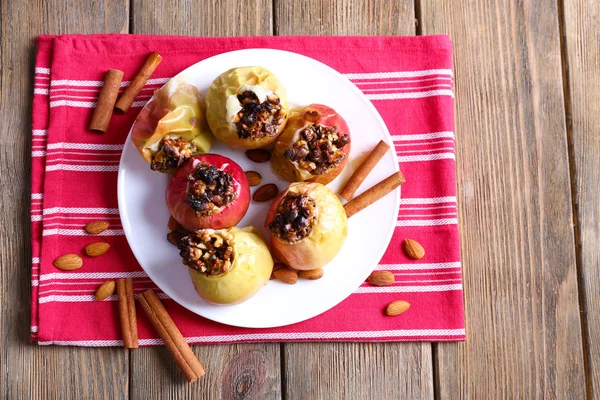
point(208, 192)
point(308, 225)
point(314, 146)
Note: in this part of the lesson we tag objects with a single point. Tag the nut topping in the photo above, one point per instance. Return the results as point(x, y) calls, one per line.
point(295, 217)
point(318, 149)
point(207, 251)
point(209, 189)
point(256, 119)
point(172, 153)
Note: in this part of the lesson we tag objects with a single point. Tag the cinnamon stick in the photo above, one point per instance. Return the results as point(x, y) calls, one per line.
point(174, 341)
point(374, 193)
point(138, 82)
point(127, 313)
point(364, 170)
point(106, 100)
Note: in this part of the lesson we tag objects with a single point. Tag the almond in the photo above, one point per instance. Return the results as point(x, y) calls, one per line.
point(313, 274)
point(96, 227)
point(276, 267)
point(286, 275)
point(254, 178)
point(266, 192)
point(396, 307)
point(381, 278)
point(258, 155)
point(105, 290)
point(96, 249)
point(68, 262)
point(173, 225)
point(174, 237)
point(413, 249)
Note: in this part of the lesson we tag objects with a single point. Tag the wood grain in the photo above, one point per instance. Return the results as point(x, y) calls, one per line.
point(523, 326)
point(28, 370)
point(581, 34)
point(352, 370)
point(344, 17)
point(242, 371)
point(202, 17)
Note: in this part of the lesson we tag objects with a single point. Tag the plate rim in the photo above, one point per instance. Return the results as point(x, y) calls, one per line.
point(397, 198)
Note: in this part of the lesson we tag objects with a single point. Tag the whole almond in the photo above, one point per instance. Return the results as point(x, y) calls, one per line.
point(266, 192)
point(313, 274)
point(68, 262)
point(254, 178)
point(396, 307)
point(96, 249)
point(105, 290)
point(276, 267)
point(96, 227)
point(381, 278)
point(413, 249)
point(173, 225)
point(258, 155)
point(286, 275)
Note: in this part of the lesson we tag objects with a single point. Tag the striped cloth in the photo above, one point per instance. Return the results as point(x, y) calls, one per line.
point(74, 177)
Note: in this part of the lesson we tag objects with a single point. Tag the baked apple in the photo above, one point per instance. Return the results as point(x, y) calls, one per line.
point(308, 225)
point(209, 191)
point(246, 107)
point(172, 127)
point(314, 147)
point(227, 266)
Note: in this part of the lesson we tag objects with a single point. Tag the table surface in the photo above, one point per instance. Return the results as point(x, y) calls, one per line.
point(528, 159)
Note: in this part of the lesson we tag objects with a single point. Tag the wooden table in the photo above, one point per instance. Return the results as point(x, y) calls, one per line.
point(528, 137)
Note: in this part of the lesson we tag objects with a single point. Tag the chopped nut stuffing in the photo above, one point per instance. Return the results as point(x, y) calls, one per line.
point(295, 217)
point(171, 154)
point(207, 251)
point(318, 149)
point(256, 119)
point(209, 189)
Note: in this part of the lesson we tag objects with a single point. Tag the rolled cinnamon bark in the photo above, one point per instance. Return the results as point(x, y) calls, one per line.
point(364, 170)
point(174, 341)
point(106, 101)
point(127, 313)
point(374, 193)
point(138, 82)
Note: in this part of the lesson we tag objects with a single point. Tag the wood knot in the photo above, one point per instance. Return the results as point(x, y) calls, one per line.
point(244, 375)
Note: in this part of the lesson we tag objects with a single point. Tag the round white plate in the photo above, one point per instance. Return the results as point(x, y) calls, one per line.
point(144, 213)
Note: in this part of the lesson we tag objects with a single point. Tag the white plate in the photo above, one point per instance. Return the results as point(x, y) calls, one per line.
point(144, 213)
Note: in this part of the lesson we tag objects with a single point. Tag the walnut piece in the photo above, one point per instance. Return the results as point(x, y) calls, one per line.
point(209, 189)
point(208, 251)
point(294, 219)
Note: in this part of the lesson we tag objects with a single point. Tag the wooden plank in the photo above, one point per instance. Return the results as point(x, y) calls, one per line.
point(203, 17)
point(523, 325)
point(28, 370)
point(249, 371)
point(353, 370)
point(581, 26)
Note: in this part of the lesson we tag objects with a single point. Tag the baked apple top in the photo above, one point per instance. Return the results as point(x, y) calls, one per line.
point(172, 127)
point(314, 147)
point(209, 191)
point(247, 107)
point(227, 266)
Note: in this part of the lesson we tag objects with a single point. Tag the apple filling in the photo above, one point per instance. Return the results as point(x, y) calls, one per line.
point(171, 153)
point(257, 119)
point(209, 189)
point(207, 251)
point(294, 219)
point(318, 149)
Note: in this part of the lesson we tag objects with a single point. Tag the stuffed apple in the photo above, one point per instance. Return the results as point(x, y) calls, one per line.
point(314, 147)
point(209, 191)
point(246, 107)
point(308, 226)
point(172, 127)
point(227, 266)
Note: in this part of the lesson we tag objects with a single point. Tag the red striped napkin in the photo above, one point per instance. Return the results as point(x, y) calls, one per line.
point(74, 180)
